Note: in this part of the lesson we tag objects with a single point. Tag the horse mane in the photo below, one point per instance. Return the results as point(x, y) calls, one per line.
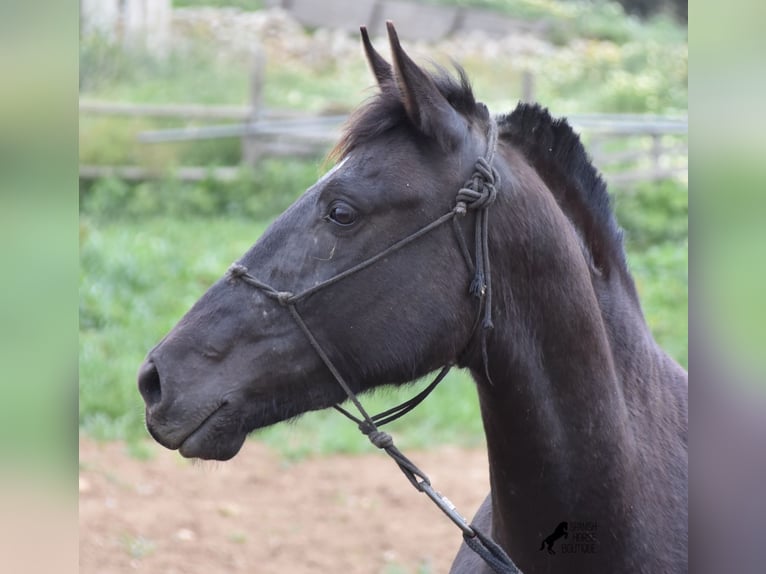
point(556, 152)
point(551, 146)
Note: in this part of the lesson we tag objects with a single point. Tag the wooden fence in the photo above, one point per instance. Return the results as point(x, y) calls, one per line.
point(627, 148)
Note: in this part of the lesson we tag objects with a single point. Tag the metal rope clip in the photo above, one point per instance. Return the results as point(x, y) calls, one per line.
point(446, 506)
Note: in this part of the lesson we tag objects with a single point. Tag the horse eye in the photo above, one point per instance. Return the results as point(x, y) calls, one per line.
point(342, 214)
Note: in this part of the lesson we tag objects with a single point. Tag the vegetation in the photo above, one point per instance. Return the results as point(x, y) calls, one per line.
point(624, 66)
point(528, 9)
point(655, 220)
point(638, 78)
point(255, 194)
point(612, 10)
point(241, 4)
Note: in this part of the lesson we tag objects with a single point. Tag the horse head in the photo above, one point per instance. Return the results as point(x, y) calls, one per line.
point(237, 362)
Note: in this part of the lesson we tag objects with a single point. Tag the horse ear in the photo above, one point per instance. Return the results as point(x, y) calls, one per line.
point(425, 105)
point(382, 69)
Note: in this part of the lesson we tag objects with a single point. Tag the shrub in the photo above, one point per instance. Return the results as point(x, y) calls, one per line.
point(653, 213)
point(257, 193)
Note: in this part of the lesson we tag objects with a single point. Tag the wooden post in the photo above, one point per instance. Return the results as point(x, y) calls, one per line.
point(252, 149)
point(146, 23)
point(527, 86)
point(596, 150)
point(656, 156)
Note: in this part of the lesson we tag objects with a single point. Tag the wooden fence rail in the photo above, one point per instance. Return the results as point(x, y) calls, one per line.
point(273, 132)
point(180, 111)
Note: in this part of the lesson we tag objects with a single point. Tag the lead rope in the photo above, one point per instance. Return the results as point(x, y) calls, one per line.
point(476, 195)
point(495, 557)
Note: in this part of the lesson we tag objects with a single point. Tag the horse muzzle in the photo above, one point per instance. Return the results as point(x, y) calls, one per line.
point(208, 432)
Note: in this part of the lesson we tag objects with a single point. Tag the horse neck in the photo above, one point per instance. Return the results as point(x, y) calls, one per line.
point(555, 411)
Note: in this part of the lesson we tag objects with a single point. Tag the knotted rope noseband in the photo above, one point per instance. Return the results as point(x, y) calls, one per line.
point(477, 195)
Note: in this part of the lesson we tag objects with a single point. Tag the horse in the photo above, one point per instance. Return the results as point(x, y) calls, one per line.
point(445, 235)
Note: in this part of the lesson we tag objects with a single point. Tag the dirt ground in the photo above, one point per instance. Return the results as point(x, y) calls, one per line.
point(258, 514)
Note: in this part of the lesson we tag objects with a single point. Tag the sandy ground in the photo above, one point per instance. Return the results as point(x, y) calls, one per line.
point(258, 514)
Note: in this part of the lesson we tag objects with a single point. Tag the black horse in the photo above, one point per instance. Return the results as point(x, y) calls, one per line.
point(369, 279)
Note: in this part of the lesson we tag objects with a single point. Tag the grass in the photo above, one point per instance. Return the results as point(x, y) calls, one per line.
point(137, 546)
point(253, 194)
point(395, 568)
point(137, 279)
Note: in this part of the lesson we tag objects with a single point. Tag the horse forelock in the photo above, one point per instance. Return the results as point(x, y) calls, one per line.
point(385, 111)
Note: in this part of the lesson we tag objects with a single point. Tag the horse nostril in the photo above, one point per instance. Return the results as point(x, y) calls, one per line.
point(149, 384)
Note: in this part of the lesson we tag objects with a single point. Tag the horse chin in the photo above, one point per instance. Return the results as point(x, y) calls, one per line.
point(209, 445)
point(222, 434)
point(218, 437)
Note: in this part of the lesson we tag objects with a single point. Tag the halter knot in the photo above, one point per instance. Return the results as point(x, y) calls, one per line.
point(379, 438)
point(480, 191)
point(284, 298)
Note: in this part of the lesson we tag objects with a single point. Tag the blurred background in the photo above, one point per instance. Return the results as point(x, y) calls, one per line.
point(201, 120)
